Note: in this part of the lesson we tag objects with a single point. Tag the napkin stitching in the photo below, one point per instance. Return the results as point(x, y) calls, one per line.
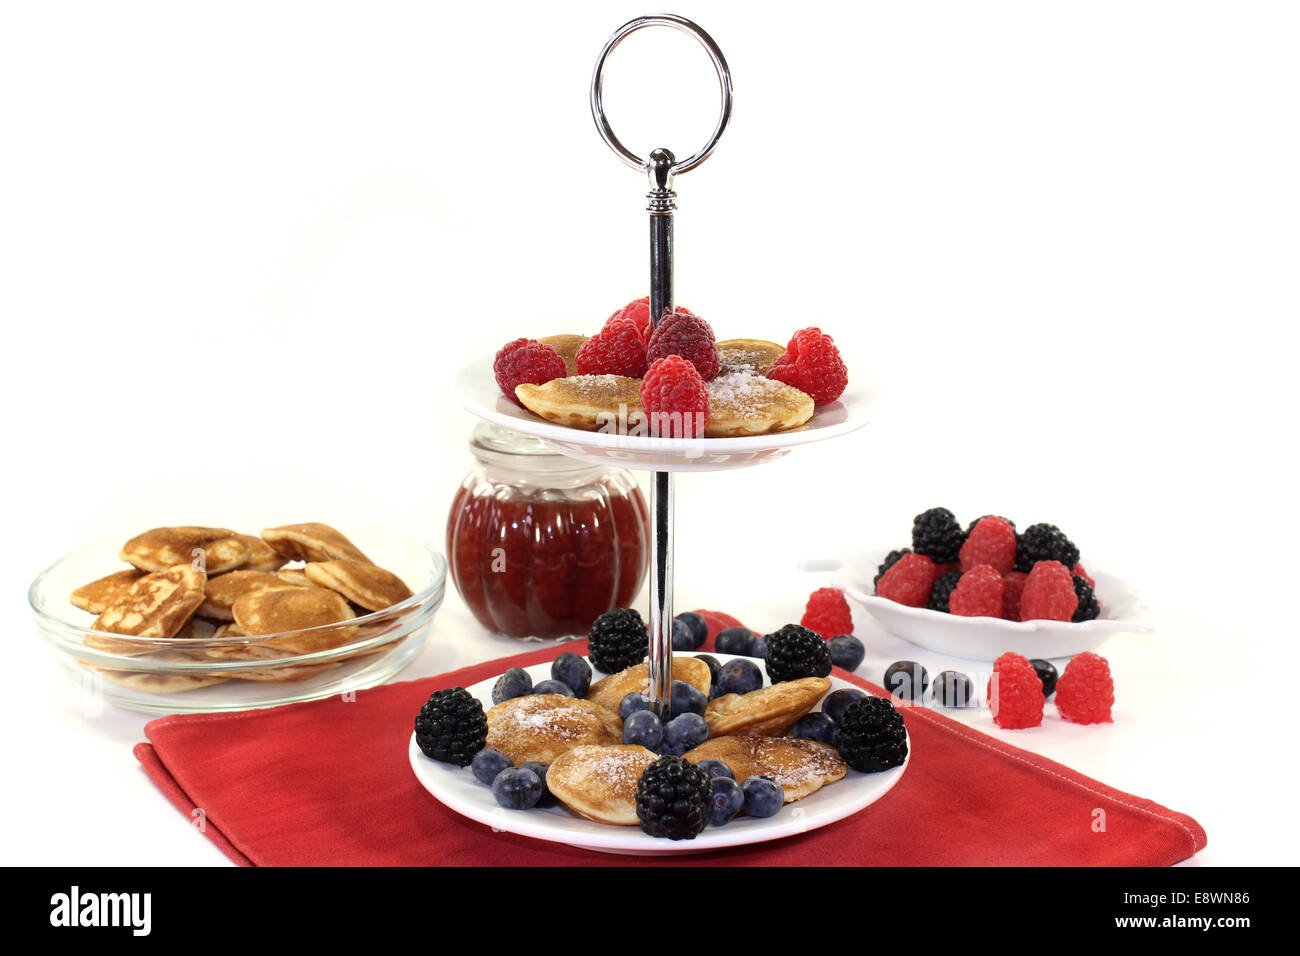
point(930, 718)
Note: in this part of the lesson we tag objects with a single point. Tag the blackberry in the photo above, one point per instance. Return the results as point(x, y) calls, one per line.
point(941, 591)
point(794, 652)
point(451, 726)
point(1044, 542)
point(1088, 608)
point(890, 560)
point(870, 735)
point(673, 799)
point(618, 640)
point(937, 535)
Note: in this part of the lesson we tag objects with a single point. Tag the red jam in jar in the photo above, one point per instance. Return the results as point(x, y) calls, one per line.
point(539, 544)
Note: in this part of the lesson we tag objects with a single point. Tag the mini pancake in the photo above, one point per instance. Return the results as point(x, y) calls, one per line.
point(295, 576)
point(151, 683)
point(281, 673)
point(609, 691)
point(219, 549)
point(600, 783)
point(800, 766)
point(155, 605)
point(609, 403)
point(261, 556)
point(97, 595)
point(742, 403)
point(363, 584)
point(292, 609)
point(544, 726)
point(225, 589)
point(197, 629)
point(748, 355)
point(768, 711)
point(311, 542)
point(567, 346)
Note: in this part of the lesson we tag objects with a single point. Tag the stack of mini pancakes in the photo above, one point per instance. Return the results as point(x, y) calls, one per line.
point(742, 400)
point(595, 775)
point(198, 583)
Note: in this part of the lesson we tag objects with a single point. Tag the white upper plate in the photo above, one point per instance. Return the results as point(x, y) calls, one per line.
point(987, 638)
point(457, 788)
point(477, 388)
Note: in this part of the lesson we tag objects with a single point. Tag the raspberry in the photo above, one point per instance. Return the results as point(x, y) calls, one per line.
point(675, 399)
point(1078, 570)
point(1049, 593)
point(812, 364)
point(1013, 583)
point(991, 541)
point(889, 563)
point(947, 567)
point(638, 313)
point(526, 361)
point(617, 349)
point(1085, 692)
point(978, 593)
point(689, 336)
point(1015, 694)
point(828, 613)
point(909, 580)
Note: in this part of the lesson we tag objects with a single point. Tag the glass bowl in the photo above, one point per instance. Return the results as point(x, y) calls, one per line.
point(200, 675)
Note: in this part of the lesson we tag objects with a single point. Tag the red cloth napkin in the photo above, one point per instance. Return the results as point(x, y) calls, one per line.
point(328, 783)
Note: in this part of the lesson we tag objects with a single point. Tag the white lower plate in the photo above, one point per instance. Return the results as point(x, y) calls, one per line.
point(457, 788)
point(987, 638)
point(478, 391)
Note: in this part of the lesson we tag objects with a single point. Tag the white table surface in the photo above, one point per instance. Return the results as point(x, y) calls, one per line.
point(1059, 238)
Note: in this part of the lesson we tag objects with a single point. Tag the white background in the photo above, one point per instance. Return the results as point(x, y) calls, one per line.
point(243, 246)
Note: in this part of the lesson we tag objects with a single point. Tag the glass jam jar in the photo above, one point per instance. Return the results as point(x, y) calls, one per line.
point(539, 545)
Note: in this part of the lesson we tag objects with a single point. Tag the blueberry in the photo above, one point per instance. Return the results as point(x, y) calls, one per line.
point(763, 797)
point(814, 726)
point(716, 768)
point(740, 677)
point(687, 699)
point(952, 689)
point(759, 647)
point(715, 692)
point(906, 679)
point(571, 669)
point(1046, 673)
point(735, 640)
point(837, 700)
point(684, 733)
point(846, 651)
point(554, 687)
point(726, 800)
point(517, 789)
point(547, 799)
point(631, 703)
point(714, 667)
point(487, 763)
point(644, 728)
point(513, 683)
point(694, 631)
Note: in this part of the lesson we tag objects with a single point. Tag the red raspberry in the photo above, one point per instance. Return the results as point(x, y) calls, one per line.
point(526, 360)
point(1013, 583)
point(1048, 594)
point(617, 349)
point(908, 581)
point(1085, 692)
point(993, 542)
point(1078, 569)
point(812, 364)
point(675, 399)
point(639, 313)
point(978, 593)
point(689, 336)
point(1015, 694)
point(941, 569)
point(828, 613)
